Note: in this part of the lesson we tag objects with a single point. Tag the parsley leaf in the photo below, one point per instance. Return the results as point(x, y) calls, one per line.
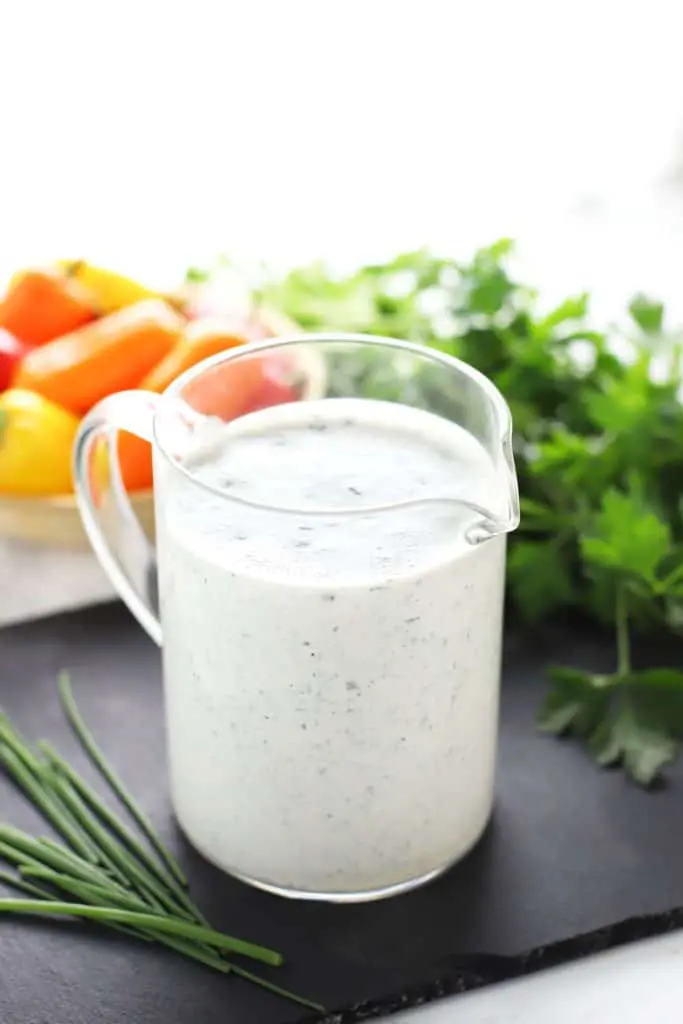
point(540, 578)
point(626, 537)
point(644, 729)
point(634, 720)
point(647, 313)
point(575, 703)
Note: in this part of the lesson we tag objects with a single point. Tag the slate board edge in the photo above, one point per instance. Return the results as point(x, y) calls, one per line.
point(474, 971)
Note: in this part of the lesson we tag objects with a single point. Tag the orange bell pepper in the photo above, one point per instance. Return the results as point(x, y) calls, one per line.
point(225, 391)
point(228, 389)
point(201, 339)
point(42, 304)
point(135, 460)
point(111, 354)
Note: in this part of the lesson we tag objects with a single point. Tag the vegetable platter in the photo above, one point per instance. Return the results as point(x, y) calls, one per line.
point(73, 333)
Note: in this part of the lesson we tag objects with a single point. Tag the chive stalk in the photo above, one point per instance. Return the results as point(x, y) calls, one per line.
point(93, 799)
point(97, 896)
point(106, 769)
point(125, 866)
point(105, 894)
point(19, 848)
point(169, 925)
point(41, 796)
point(285, 993)
point(110, 894)
point(66, 854)
point(13, 738)
point(72, 887)
point(14, 882)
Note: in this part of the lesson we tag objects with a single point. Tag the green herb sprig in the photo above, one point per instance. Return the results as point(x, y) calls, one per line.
point(599, 451)
point(105, 874)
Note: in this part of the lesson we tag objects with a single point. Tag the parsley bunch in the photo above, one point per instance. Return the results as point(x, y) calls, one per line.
point(599, 450)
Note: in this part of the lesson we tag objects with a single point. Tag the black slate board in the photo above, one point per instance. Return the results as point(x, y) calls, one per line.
point(570, 851)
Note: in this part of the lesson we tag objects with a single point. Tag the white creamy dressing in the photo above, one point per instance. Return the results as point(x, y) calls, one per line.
point(331, 672)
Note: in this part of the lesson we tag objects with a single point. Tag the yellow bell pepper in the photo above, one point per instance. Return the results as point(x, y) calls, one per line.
point(110, 291)
point(36, 437)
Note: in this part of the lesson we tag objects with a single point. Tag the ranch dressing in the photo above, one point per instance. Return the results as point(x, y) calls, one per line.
point(331, 671)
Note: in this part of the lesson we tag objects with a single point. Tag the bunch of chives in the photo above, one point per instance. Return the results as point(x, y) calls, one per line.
point(102, 872)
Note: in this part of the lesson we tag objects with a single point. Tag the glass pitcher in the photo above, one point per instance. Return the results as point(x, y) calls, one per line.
point(331, 514)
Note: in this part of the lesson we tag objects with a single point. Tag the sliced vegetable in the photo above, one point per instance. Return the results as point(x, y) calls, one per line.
point(135, 461)
point(276, 386)
point(36, 437)
point(227, 390)
point(111, 291)
point(11, 353)
point(42, 304)
point(110, 355)
point(201, 339)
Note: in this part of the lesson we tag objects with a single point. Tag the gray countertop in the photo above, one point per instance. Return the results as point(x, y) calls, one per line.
point(39, 581)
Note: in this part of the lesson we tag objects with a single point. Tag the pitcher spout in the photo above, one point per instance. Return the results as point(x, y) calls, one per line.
point(503, 515)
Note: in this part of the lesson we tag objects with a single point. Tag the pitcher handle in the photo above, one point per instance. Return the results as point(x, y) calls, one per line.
point(121, 546)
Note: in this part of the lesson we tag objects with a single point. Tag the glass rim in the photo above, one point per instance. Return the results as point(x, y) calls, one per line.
point(172, 393)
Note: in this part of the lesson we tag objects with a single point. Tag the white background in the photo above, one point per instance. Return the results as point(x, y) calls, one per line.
point(155, 134)
point(152, 135)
